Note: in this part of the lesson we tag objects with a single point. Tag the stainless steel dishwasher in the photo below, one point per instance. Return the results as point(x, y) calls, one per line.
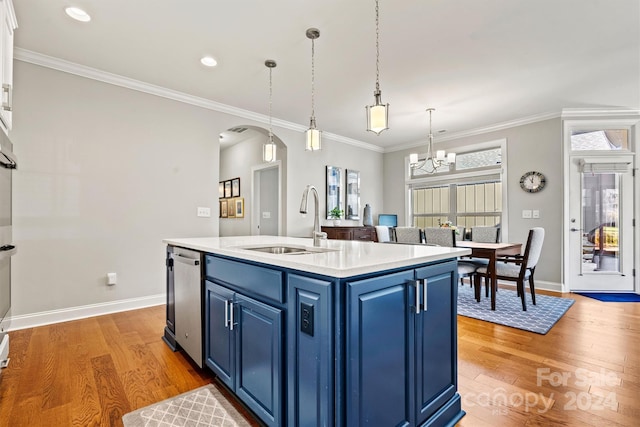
point(187, 268)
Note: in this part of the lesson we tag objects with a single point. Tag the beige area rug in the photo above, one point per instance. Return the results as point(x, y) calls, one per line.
point(204, 406)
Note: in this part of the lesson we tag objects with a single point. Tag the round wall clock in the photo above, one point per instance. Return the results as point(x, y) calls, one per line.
point(532, 182)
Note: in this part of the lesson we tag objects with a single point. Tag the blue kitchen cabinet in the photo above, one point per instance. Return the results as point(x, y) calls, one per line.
point(401, 354)
point(311, 351)
point(244, 348)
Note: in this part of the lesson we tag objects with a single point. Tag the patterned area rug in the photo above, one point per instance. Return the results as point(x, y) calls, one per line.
point(204, 406)
point(538, 318)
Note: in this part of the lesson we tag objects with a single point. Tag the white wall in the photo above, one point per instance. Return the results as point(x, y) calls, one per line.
point(106, 173)
point(536, 146)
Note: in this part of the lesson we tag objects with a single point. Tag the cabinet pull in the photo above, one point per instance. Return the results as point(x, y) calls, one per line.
point(226, 313)
point(6, 88)
point(417, 284)
point(424, 294)
point(231, 317)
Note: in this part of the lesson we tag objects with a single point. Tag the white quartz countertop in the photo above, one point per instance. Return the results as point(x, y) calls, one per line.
point(339, 258)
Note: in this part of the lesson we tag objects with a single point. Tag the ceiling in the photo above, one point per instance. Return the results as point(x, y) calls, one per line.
point(479, 63)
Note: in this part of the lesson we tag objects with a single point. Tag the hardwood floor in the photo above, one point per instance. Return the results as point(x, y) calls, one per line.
point(90, 372)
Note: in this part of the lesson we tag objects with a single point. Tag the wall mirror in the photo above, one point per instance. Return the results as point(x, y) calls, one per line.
point(334, 188)
point(353, 195)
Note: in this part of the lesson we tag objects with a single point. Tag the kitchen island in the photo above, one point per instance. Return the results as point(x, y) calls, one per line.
point(345, 334)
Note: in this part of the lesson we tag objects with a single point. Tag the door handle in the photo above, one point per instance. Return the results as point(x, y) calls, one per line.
point(416, 283)
point(186, 260)
point(575, 229)
point(231, 317)
point(226, 313)
point(424, 294)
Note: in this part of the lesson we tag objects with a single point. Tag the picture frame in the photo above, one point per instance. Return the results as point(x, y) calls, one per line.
point(231, 211)
point(334, 189)
point(352, 195)
point(227, 189)
point(224, 209)
point(221, 189)
point(239, 207)
point(235, 187)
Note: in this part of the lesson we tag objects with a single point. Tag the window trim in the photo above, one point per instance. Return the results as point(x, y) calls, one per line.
point(457, 178)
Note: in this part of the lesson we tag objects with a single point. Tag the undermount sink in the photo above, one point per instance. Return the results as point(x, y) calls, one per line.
point(287, 250)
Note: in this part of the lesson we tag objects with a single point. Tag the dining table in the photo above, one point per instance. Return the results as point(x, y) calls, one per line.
point(490, 251)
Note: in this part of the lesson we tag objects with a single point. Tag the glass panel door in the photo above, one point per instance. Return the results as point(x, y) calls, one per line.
point(600, 237)
point(600, 214)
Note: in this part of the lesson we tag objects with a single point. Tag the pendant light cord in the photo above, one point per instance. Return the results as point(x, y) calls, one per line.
point(377, 48)
point(313, 80)
point(270, 97)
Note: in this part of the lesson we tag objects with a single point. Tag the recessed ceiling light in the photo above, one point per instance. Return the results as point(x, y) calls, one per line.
point(209, 61)
point(78, 14)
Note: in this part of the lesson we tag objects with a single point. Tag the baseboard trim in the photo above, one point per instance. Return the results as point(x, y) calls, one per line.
point(81, 312)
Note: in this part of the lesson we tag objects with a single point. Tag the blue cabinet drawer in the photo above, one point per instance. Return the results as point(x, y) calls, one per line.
point(256, 280)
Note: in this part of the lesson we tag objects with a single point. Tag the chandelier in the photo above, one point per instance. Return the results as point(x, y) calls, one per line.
point(313, 134)
point(269, 148)
point(432, 162)
point(378, 113)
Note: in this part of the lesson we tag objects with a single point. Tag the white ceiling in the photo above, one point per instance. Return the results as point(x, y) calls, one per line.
point(479, 63)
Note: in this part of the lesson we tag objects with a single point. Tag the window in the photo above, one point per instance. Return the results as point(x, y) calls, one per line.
point(469, 193)
point(600, 140)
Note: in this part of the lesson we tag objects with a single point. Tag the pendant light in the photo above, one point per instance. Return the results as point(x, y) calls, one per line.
point(269, 148)
point(314, 142)
point(378, 113)
point(434, 162)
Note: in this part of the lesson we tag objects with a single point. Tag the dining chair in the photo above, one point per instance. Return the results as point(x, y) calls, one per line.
point(383, 233)
point(443, 236)
point(408, 235)
point(519, 268)
point(485, 234)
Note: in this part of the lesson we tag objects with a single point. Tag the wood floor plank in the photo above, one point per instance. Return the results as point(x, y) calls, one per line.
point(116, 363)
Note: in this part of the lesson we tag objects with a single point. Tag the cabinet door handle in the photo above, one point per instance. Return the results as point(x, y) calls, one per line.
point(226, 313)
point(424, 294)
point(6, 88)
point(417, 285)
point(231, 317)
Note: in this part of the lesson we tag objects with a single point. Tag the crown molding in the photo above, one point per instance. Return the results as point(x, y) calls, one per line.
point(58, 64)
point(583, 113)
point(480, 131)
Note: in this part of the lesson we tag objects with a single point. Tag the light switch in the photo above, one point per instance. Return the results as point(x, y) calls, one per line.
point(526, 213)
point(266, 215)
point(536, 213)
point(204, 212)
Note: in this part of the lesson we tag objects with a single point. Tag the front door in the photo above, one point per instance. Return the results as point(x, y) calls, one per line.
point(601, 224)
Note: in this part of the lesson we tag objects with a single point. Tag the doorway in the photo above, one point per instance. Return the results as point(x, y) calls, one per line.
point(601, 205)
point(266, 218)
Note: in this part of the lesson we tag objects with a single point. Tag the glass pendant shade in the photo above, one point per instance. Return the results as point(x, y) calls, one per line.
point(314, 142)
point(269, 151)
point(377, 115)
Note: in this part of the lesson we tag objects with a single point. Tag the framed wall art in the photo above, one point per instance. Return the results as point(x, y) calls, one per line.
point(239, 207)
point(235, 187)
point(227, 189)
point(223, 209)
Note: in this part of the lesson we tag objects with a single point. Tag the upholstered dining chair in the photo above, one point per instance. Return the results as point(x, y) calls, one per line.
point(485, 234)
point(383, 233)
point(519, 268)
point(443, 236)
point(408, 235)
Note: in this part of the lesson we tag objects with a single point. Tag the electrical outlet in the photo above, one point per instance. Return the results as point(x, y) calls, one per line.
point(204, 212)
point(536, 213)
point(306, 318)
point(526, 213)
